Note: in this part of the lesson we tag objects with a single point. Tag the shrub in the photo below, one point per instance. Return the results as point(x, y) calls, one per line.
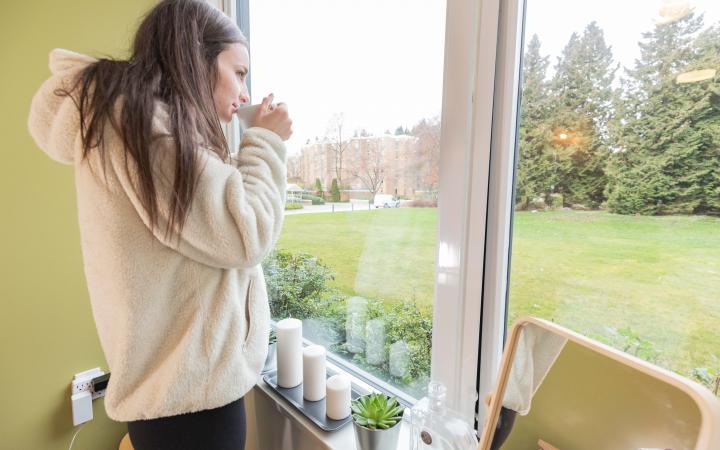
point(521, 203)
point(407, 321)
point(423, 203)
point(315, 199)
point(556, 201)
point(629, 341)
point(299, 286)
point(537, 203)
point(272, 338)
point(404, 321)
point(289, 206)
point(708, 377)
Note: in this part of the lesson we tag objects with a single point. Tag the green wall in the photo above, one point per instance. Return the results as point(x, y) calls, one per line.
point(47, 332)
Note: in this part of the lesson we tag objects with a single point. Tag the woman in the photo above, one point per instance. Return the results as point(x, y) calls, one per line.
point(175, 228)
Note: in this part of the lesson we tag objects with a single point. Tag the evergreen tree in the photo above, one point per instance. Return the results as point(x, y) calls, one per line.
point(582, 104)
point(705, 182)
point(534, 165)
point(318, 187)
point(335, 190)
point(669, 139)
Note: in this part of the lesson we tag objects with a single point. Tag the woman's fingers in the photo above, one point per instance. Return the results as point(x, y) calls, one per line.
point(267, 102)
point(274, 117)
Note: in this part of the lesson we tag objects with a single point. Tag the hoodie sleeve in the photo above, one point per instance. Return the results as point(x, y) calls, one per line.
point(54, 121)
point(237, 210)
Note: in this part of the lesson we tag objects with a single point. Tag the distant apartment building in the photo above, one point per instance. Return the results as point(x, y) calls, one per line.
point(385, 164)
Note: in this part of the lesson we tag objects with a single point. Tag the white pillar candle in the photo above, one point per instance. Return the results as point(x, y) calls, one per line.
point(289, 353)
point(337, 403)
point(314, 372)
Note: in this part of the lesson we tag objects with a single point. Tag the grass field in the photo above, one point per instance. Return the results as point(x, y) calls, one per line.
point(656, 277)
point(386, 254)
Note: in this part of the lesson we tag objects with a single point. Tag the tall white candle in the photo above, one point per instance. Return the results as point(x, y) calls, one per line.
point(289, 353)
point(314, 372)
point(337, 403)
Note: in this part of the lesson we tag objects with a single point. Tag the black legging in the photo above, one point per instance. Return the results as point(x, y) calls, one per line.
point(220, 428)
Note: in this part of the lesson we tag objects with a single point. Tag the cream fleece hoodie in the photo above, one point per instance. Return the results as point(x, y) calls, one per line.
point(183, 326)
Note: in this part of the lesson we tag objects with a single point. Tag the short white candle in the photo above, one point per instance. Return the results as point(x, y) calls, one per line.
point(337, 403)
point(289, 353)
point(314, 372)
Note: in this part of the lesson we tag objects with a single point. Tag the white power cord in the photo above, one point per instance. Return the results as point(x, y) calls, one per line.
point(75, 435)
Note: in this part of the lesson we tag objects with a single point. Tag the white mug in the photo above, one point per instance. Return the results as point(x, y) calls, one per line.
point(246, 114)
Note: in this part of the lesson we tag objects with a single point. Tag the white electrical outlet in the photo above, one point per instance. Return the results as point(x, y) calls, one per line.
point(82, 385)
point(82, 395)
point(83, 381)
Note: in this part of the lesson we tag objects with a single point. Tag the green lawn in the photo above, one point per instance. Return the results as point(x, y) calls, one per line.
point(386, 254)
point(589, 271)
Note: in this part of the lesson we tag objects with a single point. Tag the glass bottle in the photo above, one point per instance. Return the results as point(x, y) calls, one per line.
point(434, 426)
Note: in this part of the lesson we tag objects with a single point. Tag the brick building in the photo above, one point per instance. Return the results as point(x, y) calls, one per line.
point(384, 164)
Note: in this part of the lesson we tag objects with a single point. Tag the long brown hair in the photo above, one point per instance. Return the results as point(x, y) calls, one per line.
point(174, 58)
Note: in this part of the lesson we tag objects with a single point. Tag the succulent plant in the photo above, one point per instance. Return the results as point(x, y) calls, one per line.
point(273, 337)
point(376, 411)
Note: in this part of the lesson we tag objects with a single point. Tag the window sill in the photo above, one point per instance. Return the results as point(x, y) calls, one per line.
point(299, 432)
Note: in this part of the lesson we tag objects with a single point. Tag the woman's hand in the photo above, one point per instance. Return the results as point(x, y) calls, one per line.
point(274, 118)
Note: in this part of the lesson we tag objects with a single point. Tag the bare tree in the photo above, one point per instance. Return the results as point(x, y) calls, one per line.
point(368, 165)
point(427, 162)
point(294, 169)
point(334, 136)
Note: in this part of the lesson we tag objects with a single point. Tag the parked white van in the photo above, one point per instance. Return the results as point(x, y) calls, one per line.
point(386, 201)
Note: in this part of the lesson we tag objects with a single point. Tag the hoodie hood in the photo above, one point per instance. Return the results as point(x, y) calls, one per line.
point(54, 122)
point(60, 60)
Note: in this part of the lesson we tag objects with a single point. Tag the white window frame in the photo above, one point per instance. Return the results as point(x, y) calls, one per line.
point(479, 110)
point(480, 98)
point(501, 200)
point(236, 10)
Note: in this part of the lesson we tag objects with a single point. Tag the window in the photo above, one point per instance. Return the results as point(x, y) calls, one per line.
point(361, 279)
point(612, 230)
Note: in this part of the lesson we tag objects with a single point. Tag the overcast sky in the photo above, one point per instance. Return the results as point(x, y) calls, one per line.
point(380, 61)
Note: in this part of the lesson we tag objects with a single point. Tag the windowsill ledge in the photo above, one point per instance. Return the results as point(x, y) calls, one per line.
point(342, 439)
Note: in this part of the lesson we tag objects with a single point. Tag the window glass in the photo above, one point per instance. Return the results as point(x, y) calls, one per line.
point(356, 258)
point(616, 232)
